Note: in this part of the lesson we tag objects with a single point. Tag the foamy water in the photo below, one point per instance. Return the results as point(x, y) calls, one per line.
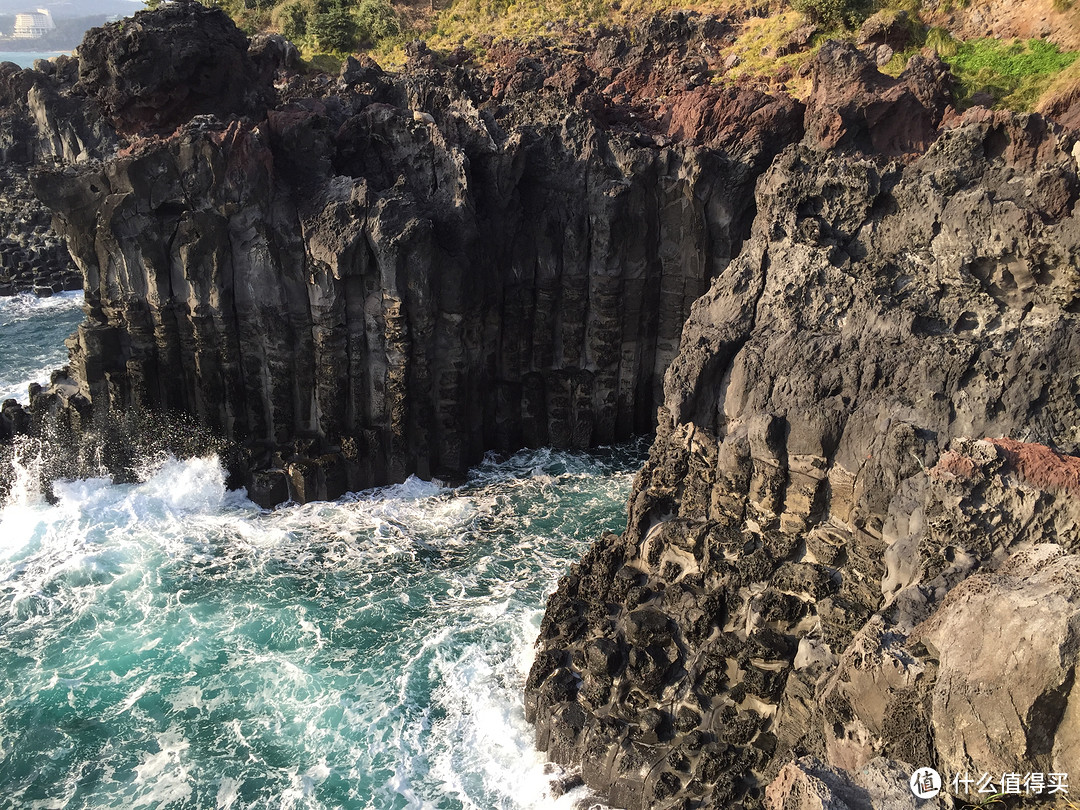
point(32, 333)
point(169, 644)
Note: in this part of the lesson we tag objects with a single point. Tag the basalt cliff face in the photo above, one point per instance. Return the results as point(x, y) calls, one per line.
point(363, 279)
point(34, 127)
point(824, 560)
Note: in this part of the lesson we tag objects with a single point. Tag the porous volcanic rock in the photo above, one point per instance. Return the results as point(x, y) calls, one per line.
point(155, 70)
point(810, 500)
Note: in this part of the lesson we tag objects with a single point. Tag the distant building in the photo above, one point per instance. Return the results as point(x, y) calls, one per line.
point(33, 25)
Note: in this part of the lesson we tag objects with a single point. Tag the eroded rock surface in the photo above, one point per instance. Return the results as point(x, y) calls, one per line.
point(38, 122)
point(798, 575)
point(809, 784)
point(361, 278)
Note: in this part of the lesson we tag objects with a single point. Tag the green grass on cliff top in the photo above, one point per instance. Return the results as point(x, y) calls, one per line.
point(1015, 74)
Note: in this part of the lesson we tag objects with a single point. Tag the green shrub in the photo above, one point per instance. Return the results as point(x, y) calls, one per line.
point(835, 12)
point(376, 22)
point(332, 28)
point(292, 18)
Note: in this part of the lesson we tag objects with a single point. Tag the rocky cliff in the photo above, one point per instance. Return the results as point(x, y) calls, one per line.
point(823, 559)
point(363, 279)
point(32, 257)
point(866, 308)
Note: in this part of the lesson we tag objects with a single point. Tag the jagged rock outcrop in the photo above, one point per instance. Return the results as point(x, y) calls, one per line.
point(32, 257)
point(812, 539)
point(149, 74)
point(387, 276)
point(364, 278)
point(854, 106)
point(36, 123)
point(145, 80)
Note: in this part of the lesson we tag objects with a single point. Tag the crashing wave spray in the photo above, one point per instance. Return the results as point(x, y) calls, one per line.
point(167, 640)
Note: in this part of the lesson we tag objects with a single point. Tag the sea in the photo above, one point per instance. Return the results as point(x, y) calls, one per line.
point(27, 58)
point(166, 643)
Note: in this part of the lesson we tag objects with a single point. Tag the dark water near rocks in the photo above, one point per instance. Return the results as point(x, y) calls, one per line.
point(169, 644)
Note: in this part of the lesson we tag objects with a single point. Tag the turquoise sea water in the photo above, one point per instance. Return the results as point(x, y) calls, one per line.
point(32, 333)
point(168, 644)
point(26, 58)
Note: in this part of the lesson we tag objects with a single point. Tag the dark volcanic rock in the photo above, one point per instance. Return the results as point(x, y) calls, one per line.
point(391, 275)
point(156, 70)
point(791, 525)
point(32, 256)
point(42, 118)
point(406, 306)
point(384, 275)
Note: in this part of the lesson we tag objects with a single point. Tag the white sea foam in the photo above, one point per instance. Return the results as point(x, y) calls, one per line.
point(32, 332)
point(27, 305)
point(368, 653)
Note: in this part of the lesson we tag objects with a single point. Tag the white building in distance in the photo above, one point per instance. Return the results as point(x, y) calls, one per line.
point(33, 25)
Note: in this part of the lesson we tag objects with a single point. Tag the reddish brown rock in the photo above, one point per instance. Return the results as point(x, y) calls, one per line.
point(735, 120)
point(854, 106)
point(1041, 466)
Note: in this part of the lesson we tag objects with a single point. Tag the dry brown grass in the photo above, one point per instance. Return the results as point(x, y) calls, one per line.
point(1062, 93)
point(464, 21)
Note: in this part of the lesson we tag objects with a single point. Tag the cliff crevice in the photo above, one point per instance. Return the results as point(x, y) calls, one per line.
point(768, 599)
point(360, 280)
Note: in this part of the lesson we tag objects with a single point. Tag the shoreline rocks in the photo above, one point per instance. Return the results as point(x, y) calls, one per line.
point(32, 257)
point(822, 309)
point(813, 498)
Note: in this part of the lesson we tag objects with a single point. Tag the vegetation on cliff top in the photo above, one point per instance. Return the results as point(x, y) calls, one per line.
point(1015, 74)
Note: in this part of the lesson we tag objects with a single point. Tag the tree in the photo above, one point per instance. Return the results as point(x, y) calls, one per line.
point(292, 18)
point(332, 27)
point(835, 12)
point(376, 21)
